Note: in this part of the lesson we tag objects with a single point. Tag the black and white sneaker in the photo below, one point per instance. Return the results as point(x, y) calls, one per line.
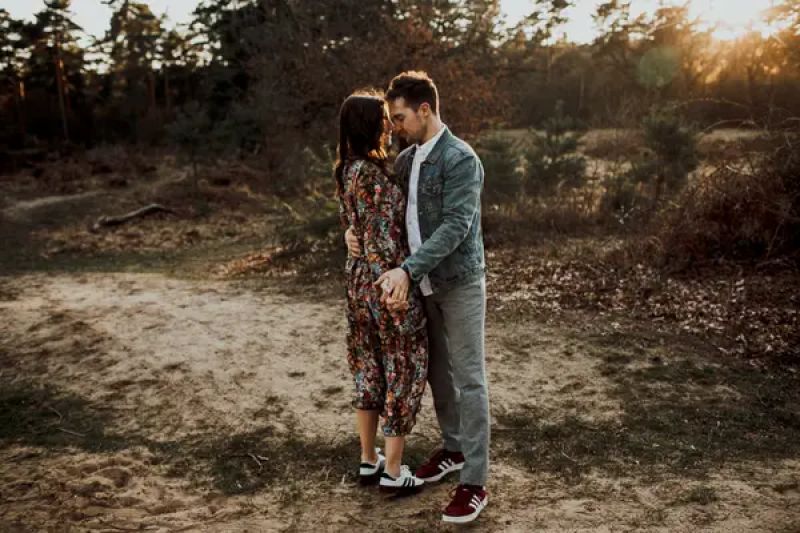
point(370, 473)
point(405, 483)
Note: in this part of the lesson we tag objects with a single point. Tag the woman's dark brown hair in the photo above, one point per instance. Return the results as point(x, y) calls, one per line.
point(360, 130)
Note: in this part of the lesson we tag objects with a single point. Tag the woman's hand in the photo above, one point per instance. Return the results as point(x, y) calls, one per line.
point(396, 305)
point(397, 309)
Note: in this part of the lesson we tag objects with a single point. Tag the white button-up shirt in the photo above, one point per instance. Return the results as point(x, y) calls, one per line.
point(412, 216)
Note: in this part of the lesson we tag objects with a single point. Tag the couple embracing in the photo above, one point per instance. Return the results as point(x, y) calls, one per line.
point(416, 289)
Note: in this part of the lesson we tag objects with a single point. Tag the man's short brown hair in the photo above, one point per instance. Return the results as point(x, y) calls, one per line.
point(416, 88)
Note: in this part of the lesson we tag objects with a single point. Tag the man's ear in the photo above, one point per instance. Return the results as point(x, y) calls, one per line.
point(425, 109)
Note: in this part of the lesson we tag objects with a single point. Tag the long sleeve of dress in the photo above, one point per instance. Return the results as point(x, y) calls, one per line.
point(380, 212)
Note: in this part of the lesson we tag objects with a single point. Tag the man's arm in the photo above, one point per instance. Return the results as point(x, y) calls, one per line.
point(351, 241)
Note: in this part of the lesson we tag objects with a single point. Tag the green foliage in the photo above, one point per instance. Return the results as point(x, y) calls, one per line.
point(198, 137)
point(662, 167)
point(671, 155)
point(280, 69)
point(738, 213)
point(319, 166)
point(503, 182)
point(552, 163)
point(621, 199)
point(658, 67)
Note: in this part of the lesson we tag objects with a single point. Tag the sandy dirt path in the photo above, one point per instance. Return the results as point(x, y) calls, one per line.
point(142, 402)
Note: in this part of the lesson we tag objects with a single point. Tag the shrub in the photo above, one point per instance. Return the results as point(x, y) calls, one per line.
point(670, 156)
point(660, 168)
point(738, 212)
point(552, 163)
point(503, 182)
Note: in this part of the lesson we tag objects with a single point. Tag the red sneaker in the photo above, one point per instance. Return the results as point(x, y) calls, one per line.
point(467, 504)
point(439, 465)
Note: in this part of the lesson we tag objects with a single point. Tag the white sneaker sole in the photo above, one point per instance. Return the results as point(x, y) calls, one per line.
point(371, 476)
point(466, 518)
point(455, 468)
point(406, 486)
point(377, 469)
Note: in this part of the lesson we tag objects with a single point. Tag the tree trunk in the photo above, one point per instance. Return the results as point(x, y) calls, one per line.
point(61, 90)
point(167, 97)
point(19, 99)
point(151, 91)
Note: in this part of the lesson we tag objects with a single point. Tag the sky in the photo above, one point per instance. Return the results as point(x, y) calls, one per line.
point(733, 16)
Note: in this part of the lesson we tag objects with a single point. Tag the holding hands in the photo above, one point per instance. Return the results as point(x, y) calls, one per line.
point(394, 284)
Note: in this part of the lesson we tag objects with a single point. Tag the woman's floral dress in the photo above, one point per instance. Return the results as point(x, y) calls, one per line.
point(388, 355)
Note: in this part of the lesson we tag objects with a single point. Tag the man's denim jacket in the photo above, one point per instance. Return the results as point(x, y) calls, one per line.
point(449, 209)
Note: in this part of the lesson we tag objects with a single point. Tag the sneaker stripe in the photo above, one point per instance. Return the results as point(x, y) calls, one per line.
point(476, 503)
point(445, 464)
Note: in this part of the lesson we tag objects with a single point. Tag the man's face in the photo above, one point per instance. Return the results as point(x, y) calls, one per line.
point(409, 124)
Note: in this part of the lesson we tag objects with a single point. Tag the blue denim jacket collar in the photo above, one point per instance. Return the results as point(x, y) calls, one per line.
point(439, 147)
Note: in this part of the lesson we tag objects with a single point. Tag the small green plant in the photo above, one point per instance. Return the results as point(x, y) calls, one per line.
point(191, 132)
point(661, 168)
point(670, 155)
point(503, 182)
point(621, 199)
point(552, 163)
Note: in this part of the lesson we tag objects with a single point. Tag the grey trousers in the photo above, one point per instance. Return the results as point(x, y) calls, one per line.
point(457, 374)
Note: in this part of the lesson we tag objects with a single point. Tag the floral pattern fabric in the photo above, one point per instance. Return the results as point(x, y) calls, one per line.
point(387, 353)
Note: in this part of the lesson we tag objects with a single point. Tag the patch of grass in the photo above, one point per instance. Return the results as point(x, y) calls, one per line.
point(518, 348)
point(701, 495)
point(247, 462)
point(42, 416)
point(236, 463)
point(191, 262)
point(242, 463)
point(681, 415)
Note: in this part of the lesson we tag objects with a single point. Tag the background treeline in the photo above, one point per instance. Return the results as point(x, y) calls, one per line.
point(274, 71)
point(261, 81)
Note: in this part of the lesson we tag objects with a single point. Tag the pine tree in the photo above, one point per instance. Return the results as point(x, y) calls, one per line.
point(673, 149)
point(12, 83)
point(500, 162)
point(132, 44)
point(552, 163)
point(56, 55)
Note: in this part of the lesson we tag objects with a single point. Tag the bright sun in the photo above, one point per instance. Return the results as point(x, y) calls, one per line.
point(733, 18)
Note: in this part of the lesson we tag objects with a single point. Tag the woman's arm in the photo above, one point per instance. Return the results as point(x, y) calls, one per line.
point(380, 210)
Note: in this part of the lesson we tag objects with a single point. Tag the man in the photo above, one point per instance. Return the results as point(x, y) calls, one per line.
point(443, 179)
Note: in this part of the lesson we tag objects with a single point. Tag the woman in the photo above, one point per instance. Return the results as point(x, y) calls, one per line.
point(387, 350)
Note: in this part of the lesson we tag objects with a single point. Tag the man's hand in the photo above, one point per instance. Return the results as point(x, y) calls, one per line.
point(397, 285)
point(351, 241)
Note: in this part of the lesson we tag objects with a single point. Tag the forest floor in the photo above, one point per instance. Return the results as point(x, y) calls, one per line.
point(187, 373)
